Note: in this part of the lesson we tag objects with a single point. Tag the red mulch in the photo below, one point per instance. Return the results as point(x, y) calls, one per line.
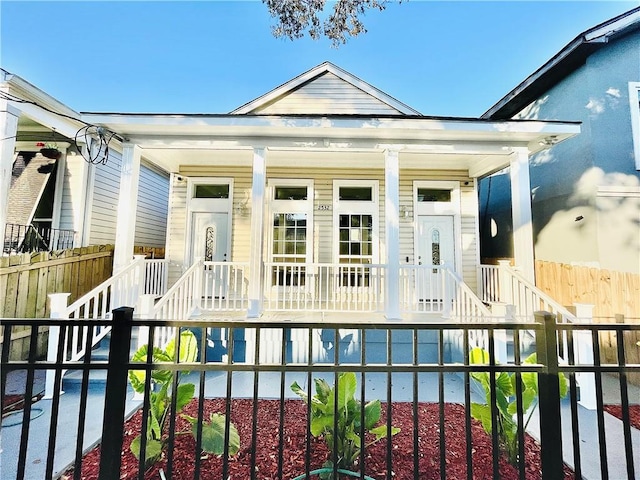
point(634, 413)
point(294, 434)
point(13, 402)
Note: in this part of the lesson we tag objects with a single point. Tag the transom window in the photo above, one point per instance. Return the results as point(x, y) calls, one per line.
point(356, 194)
point(211, 191)
point(290, 193)
point(434, 195)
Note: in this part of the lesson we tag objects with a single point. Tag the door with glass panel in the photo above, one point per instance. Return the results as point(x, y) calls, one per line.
point(435, 247)
point(209, 242)
point(291, 216)
point(358, 280)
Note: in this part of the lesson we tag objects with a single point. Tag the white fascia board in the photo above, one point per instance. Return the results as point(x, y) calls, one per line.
point(130, 125)
point(23, 89)
point(321, 69)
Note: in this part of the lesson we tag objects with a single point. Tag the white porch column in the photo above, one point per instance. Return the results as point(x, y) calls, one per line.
point(392, 233)
point(521, 212)
point(8, 131)
point(127, 205)
point(257, 221)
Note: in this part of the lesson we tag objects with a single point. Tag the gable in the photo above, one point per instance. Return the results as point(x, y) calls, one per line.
point(327, 94)
point(325, 90)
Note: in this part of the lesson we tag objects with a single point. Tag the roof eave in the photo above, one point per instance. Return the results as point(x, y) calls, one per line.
point(563, 63)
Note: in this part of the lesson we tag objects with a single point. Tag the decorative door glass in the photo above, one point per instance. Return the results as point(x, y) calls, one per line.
point(210, 244)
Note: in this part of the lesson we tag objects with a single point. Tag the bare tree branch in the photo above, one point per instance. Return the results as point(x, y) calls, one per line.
point(295, 17)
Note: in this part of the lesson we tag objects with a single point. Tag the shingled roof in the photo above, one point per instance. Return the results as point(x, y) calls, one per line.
point(28, 180)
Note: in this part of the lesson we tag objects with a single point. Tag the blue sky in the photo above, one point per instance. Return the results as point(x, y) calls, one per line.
point(446, 58)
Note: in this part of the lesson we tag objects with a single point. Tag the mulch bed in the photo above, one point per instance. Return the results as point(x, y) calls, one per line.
point(294, 441)
point(634, 413)
point(14, 402)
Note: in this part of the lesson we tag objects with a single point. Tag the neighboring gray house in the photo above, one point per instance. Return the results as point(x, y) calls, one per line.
point(70, 201)
point(585, 191)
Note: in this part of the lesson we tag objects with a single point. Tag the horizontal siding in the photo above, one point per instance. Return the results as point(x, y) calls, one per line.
point(105, 200)
point(328, 94)
point(176, 227)
point(323, 219)
point(73, 190)
point(152, 208)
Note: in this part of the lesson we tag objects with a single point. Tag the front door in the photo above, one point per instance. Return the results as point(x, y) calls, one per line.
point(209, 235)
point(435, 247)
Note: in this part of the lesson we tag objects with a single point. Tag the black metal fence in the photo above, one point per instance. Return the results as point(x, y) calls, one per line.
point(427, 382)
point(31, 238)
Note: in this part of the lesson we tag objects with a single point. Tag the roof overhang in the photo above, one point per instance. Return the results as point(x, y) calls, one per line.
point(479, 146)
point(571, 57)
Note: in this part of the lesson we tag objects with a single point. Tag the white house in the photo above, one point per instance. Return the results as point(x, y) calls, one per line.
point(69, 199)
point(326, 194)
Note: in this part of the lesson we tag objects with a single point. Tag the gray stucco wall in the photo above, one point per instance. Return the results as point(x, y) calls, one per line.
point(572, 222)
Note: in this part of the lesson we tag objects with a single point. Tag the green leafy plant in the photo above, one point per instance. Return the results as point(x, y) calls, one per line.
point(505, 389)
point(161, 397)
point(346, 437)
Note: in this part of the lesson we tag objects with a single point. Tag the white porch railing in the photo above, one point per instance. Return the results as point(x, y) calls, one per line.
point(437, 289)
point(122, 289)
point(504, 284)
point(225, 286)
point(155, 277)
point(316, 287)
point(179, 303)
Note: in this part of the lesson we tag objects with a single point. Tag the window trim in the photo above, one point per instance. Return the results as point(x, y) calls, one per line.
point(354, 207)
point(634, 110)
point(290, 206)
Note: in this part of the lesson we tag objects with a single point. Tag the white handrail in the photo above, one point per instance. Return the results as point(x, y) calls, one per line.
point(122, 289)
point(466, 306)
point(503, 283)
point(179, 303)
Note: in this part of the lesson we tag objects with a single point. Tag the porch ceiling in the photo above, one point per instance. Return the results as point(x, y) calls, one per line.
point(479, 146)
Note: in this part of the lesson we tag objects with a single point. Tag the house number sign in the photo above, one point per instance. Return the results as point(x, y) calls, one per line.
point(324, 207)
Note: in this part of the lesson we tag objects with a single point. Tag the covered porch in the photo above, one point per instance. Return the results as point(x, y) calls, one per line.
point(328, 213)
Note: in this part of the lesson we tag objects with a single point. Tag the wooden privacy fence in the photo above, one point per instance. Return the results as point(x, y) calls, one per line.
point(614, 295)
point(27, 279)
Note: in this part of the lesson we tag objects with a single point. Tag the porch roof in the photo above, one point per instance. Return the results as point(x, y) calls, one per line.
point(477, 145)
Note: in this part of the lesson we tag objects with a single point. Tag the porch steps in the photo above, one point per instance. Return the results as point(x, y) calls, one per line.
point(72, 379)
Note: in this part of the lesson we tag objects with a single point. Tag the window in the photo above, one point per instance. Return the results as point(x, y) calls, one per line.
point(434, 195)
point(634, 105)
point(290, 193)
point(289, 246)
point(356, 194)
point(291, 216)
point(211, 191)
point(356, 238)
point(356, 222)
